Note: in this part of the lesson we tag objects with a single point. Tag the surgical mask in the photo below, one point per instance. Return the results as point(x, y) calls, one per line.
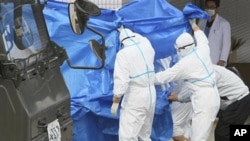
point(210, 12)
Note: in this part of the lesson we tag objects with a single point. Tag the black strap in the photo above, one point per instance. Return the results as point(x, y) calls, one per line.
point(224, 98)
point(127, 38)
point(183, 47)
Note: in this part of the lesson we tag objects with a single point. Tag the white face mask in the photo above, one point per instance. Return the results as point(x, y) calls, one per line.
point(210, 12)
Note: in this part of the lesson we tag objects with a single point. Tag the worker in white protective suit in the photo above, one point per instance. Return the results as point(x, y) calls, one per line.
point(234, 105)
point(196, 69)
point(134, 80)
point(181, 111)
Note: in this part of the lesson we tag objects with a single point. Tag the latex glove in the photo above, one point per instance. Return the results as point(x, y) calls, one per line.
point(120, 28)
point(173, 97)
point(114, 108)
point(193, 23)
point(116, 100)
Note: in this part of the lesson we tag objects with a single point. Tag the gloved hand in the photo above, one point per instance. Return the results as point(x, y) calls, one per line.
point(173, 97)
point(114, 108)
point(193, 23)
point(115, 105)
point(120, 28)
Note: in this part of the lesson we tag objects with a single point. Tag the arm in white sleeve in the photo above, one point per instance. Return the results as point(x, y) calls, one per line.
point(169, 75)
point(200, 38)
point(121, 75)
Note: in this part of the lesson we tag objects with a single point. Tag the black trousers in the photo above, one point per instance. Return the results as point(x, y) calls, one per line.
point(235, 114)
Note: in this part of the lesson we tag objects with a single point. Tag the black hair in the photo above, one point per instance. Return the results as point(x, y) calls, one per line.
point(217, 2)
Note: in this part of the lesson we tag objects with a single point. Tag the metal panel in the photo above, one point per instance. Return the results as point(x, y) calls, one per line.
point(33, 93)
point(107, 4)
point(179, 3)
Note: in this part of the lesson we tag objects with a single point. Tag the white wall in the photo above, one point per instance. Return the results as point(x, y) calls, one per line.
point(237, 13)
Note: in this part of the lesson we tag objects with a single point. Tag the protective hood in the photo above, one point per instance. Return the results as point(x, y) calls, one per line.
point(127, 37)
point(184, 44)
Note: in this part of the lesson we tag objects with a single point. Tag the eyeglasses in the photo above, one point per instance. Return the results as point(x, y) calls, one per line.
point(127, 38)
point(183, 47)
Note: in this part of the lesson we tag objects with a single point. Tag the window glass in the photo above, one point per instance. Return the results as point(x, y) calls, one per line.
point(19, 31)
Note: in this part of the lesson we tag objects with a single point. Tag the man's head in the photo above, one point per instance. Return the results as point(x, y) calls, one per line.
point(215, 2)
point(184, 43)
point(212, 7)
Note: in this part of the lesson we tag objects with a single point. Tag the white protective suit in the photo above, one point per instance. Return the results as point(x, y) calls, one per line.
point(231, 89)
point(181, 111)
point(196, 69)
point(219, 38)
point(230, 86)
point(134, 80)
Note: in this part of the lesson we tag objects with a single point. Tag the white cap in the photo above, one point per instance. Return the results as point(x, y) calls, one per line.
point(185, 42)
point(184, 39)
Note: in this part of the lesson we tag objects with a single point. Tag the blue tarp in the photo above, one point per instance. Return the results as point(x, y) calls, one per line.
point(91, 90)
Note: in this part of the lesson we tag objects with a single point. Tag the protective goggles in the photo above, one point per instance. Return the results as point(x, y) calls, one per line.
point(183, 47)
point(126, 39)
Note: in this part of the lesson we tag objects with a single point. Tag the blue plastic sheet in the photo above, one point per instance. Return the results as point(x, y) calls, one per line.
point(91, 90)
point(192, 12)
